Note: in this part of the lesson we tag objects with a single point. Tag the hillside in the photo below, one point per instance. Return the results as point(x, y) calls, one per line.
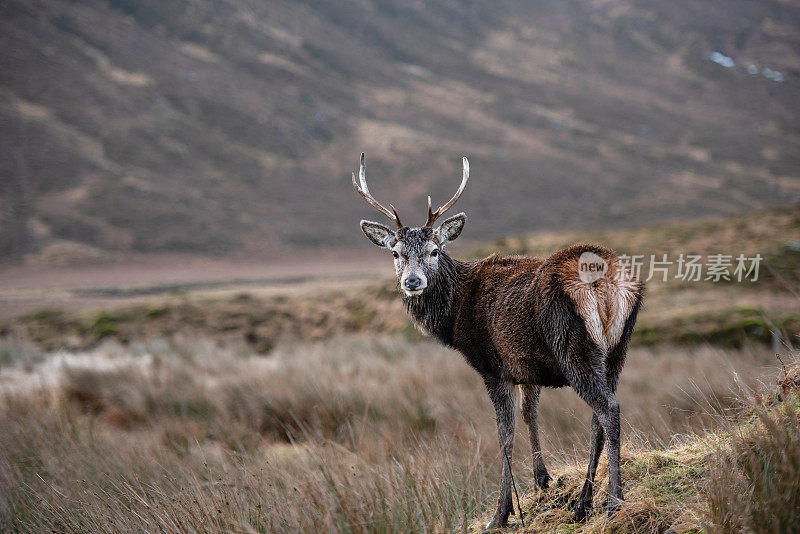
point(216, 126)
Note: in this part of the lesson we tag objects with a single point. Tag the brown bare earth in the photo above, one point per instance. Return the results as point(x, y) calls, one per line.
point(28, 287)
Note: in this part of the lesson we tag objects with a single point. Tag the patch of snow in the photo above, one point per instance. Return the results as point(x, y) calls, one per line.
point(721, 59)
point(727, 61)
point(51, 372)
point(773, 75)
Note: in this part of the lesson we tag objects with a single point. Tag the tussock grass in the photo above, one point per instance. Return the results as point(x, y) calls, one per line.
point(754, 480)
point(663, 489)
point(742, 477)
point(355, 434)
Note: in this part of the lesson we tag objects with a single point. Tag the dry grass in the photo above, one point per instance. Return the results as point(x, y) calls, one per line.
point(754, 479)
point(195, 437)
point(663, 489)
point(742, 477)
point(351, 435)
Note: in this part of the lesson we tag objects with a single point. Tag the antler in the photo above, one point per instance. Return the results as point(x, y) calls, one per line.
point(363, 190)
point(433, 215)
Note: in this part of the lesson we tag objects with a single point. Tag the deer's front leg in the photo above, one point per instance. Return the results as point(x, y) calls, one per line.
point(530, 413)
point(503, 397)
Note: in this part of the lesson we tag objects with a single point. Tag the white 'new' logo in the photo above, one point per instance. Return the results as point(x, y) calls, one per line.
point(591, 267)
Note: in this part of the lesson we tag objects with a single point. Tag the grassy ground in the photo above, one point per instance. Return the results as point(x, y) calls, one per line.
point(723, 316)
point(330, 413)
point(741, 477)
point(722, 313)
point(357, 434)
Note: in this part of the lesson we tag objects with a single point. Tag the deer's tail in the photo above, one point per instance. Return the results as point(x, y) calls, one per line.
point(604, 296)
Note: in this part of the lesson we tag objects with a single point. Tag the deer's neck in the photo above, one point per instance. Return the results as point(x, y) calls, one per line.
point(434, 310)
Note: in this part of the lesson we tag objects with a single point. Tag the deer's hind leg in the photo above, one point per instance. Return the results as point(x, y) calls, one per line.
point(593, 387)
point(596, 393)
point(530, 411)
point(584, 364)
point(584, 505)
point(613, 367)
point(503, 395)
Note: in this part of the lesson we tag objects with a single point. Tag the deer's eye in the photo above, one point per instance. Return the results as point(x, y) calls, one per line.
point(395, 254)
point(434, 253)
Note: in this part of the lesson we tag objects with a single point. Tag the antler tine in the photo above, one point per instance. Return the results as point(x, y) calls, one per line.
point(363, 190)
point(433, 215)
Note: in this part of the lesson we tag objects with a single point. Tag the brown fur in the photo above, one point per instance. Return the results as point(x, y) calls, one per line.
point(529, 321)
point(501, 297)
point(521, 320)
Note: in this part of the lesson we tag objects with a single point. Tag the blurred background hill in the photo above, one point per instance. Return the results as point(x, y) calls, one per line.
point(216, 127)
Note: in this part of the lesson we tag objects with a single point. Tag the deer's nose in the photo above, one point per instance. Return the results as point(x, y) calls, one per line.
point(413, 282)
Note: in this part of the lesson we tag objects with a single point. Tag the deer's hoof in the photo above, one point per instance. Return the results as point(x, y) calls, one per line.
point(500, 520)
point(543, 480)
point(613, 504)
point(581, 511)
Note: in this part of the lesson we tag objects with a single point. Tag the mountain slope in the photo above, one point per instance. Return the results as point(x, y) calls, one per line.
point(217, 126)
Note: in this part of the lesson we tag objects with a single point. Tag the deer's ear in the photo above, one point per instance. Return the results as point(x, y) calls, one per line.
point(379, 234)
point(450, 228)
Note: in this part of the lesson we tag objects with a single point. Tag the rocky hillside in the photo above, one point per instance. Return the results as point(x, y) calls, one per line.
point(216, 125)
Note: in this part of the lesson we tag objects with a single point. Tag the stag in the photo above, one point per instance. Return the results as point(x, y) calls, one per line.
point(521, 321)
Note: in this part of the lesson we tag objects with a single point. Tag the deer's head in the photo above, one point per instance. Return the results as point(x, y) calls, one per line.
point(416, 250)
